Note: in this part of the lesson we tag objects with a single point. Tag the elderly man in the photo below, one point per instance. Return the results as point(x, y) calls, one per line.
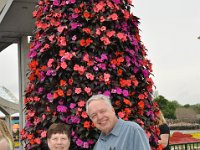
point(116, 134)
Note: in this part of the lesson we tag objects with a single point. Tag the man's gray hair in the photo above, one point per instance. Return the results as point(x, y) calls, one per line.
point(98, 97)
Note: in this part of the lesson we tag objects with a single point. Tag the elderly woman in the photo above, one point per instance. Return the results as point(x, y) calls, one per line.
point(58, 136)
point(6, 140)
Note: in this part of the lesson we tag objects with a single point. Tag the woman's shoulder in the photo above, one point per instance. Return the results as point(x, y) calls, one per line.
point(5, 143)
point(164, 128)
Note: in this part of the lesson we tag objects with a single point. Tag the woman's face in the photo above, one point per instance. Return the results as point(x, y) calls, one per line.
point(58, 141)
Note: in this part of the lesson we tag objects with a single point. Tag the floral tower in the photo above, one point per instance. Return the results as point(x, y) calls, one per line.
point(80, 48)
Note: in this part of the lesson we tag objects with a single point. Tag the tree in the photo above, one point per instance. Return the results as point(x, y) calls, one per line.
point(167, 107)
point(80, 48)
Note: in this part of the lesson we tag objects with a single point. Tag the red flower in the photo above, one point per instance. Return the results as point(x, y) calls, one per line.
point(86, 14)
point(60, 92)
point(141, 104)
point(33, 64)
point(86, 30)
point(86, 124)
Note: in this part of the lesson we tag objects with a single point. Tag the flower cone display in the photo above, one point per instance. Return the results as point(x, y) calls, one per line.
point(81, 48)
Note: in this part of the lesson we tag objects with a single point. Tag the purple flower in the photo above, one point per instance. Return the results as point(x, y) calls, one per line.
point(61, 108)
point(74, 38)
point(75, 119)
point(40, 90)
point(145, 73)
point(104, 57)
point(32, 54)
point(72, 105)
point(49, 72)
point(72, 1)
point(98, 59)
point(56, 2)
point(125, 93)
point(74, 15)
point(91, 142)
point(50, 97)
point(106, 93)
point(102, 66)
point(95, 68)
point(119, 90)
point(128, 61)
point(74, 25)
point(116, 1)
point(79, 142)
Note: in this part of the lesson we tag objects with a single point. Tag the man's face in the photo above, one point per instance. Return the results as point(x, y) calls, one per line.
point(58, 141)
point(102, 115)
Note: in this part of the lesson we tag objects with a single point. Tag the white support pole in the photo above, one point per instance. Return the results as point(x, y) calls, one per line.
point(23, 48)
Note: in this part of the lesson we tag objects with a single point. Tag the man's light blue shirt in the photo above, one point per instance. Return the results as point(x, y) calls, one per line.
point(126, 135)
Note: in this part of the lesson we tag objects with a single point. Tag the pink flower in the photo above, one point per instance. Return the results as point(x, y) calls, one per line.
point(105, 40)
point(80, 69)
point(103, 28)
point(85, 145)
point(81, 103)
point(114, 16)
point(61, 28)
point(49, 63)
point(106, 77)
point(102, 19)
point(122, 36)
point(63, 65)
point(68, 56)
point(78, 90)
point(121, 114)
point(44, 134)
point(84, 114)
point(87, 90)
point(90, 76)
point(98, 31)
point(110, 33)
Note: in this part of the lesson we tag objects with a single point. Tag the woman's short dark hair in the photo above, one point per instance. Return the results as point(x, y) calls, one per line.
point(58, 128)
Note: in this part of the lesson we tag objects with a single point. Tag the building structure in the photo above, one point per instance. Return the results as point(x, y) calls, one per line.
point(9, 105)
point(16, 24)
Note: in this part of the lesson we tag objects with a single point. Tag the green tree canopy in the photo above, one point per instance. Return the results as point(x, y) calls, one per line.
point(167, 107)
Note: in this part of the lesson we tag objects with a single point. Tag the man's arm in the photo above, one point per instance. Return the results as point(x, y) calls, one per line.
point(140, 140)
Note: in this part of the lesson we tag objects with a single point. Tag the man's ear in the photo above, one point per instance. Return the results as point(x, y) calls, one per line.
point(113, 110)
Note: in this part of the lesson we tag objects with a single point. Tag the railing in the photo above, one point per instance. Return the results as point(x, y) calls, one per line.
point(186, 146)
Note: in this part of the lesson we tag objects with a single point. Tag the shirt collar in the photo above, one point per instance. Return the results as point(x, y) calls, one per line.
point(115, 131)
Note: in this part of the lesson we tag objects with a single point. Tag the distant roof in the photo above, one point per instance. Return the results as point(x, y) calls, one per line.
point(9, 104)
point(7, 95)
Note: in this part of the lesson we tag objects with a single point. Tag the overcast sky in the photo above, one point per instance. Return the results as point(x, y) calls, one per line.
point(169, 30)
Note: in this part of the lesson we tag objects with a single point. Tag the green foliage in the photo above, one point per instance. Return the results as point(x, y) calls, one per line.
point(167, 107)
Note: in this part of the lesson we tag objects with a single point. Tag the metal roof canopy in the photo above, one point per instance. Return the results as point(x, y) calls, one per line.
point(8, 103)
point(15, 21)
